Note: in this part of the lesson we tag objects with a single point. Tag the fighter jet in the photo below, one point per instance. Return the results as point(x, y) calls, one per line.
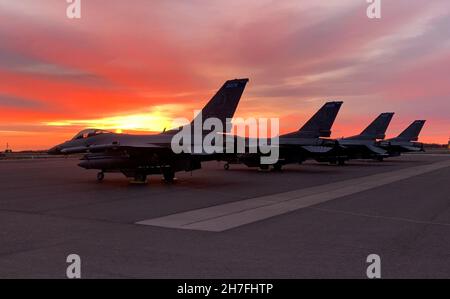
point(309, 142)
point(137, 156)
point(406, 141)
point(364, 145)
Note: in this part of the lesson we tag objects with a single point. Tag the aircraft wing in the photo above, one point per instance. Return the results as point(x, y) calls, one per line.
point(317, 149)
point(377, 150)
point(411, 148)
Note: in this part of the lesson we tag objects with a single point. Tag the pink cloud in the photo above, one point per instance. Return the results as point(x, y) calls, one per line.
point(124, 57)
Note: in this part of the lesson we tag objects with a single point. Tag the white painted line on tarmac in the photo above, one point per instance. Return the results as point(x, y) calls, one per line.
point(231, 215)
point(427, 155)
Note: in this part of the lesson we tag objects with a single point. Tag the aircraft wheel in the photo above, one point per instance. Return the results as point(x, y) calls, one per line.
point(100, 176)
point(140, 177)
point(264, 167)
point(226, 166)
point(169, 175)
point(277, 167)
point(380, 159)
point(341, 162)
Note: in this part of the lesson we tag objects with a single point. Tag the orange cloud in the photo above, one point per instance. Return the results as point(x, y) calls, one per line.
point(122, 62)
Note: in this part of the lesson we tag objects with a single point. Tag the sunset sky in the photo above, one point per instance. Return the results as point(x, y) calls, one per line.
point(135, 65)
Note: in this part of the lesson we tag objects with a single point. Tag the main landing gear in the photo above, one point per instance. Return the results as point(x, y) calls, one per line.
point(263, 167)
point(140, 178)
point(341, 162)
point(277, 167)
point(169, 175)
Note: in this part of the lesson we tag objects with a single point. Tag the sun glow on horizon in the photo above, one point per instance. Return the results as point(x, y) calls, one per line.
point(156, 120)
point(139, 72)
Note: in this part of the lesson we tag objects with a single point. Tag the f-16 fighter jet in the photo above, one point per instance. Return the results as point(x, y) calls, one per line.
point(364, 145)
point(137, 156)
point(309, 142)
point(406, 141)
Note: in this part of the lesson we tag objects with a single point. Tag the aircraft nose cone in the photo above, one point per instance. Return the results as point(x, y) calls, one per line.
point(56, 150)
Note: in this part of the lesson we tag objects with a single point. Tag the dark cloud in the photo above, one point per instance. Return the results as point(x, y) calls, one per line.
point(18, 102)
point(27, 64)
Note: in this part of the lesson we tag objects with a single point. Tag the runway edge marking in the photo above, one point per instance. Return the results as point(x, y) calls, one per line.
point(231, 215)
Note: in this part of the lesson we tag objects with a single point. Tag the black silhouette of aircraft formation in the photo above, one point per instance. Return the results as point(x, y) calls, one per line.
point(137, 156)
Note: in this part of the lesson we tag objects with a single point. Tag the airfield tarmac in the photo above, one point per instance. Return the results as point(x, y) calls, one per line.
point(308, 221)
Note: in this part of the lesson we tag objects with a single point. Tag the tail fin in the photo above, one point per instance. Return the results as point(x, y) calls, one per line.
point(224, 103)
point(412, 132)
point(320, 124)
point(377, 129)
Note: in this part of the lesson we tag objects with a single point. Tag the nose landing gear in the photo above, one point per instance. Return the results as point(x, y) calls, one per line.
point(100, 176)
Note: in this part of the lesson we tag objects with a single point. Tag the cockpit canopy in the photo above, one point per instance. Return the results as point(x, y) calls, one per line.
point(89, 133)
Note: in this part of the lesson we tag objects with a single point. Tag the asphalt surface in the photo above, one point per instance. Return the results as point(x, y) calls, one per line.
point(51, 208)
